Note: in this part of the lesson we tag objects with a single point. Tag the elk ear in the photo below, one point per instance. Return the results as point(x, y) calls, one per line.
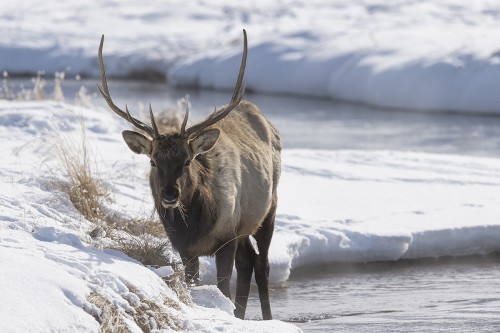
point(137, 142)
point(204, 142)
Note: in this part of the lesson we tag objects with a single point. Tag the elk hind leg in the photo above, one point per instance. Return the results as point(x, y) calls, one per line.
point(245, 258)
point(261, 263)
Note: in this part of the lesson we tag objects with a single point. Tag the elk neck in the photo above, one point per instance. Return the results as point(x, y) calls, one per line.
point(196, 217)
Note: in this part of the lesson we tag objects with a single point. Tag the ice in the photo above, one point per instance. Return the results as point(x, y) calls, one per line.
point(424, 55)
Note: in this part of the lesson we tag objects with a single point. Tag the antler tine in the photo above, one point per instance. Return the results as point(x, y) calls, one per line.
point(239, 91)
point(186, 115)
point(152, 131)
point(156, 134)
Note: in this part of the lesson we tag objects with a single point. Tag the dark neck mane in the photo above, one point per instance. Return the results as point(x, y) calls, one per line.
point(199, 209)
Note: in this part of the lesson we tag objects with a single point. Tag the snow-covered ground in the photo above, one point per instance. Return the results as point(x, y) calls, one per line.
point(433, 55)
point(350, 206)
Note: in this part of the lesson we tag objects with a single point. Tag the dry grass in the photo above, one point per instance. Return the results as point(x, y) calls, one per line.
point(169, 120)
point(148, 315)
point(177, 283)
point(110, 318)
point(83, 188)
point(149, 250)
point(141, 226)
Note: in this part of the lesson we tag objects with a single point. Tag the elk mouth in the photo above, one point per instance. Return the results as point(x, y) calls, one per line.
point(169, 203)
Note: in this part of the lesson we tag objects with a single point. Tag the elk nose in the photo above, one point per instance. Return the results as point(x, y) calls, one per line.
point(170, 196)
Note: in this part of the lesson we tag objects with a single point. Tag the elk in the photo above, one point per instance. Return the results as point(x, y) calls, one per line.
point(214, 186)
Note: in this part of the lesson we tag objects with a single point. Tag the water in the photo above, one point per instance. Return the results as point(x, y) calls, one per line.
point(322, 124)
point(446, 295)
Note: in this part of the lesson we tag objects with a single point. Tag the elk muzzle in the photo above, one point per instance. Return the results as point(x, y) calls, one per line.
point(170, 197)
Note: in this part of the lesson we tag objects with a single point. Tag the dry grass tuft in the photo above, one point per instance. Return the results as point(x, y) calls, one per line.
point(138, 227)
point(169, 120)
point(177, 282)
point(149, 250)
point(148, 315)
point(84, 190)
point(110, 318)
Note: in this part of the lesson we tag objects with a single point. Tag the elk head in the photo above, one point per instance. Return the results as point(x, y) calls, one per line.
point(171, 154)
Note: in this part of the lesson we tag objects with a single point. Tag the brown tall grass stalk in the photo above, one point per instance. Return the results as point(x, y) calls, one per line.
point(83, 187)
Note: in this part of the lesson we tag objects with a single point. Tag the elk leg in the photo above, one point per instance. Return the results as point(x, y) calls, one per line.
point(245, 257)
point(224, 261)
point(261, 265)
point(191, 269)
point(262, 279)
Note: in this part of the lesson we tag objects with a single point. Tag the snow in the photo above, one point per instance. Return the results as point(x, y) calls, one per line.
point(426, 55)
point(353, 206)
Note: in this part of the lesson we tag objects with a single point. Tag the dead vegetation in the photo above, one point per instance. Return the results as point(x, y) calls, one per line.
point(148, 315)
point(85, 191)
point(149, 250)
point(109, 319)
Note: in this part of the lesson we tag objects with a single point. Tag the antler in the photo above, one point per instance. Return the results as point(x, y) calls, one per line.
point(239, 90)
point(184, 122)
point(152, 131)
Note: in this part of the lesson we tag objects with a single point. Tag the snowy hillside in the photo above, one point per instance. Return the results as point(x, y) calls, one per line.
point(348, 206)
point(433, 55)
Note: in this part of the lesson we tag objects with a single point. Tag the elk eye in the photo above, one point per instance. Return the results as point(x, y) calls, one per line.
point(187, 163)
point(153, 164)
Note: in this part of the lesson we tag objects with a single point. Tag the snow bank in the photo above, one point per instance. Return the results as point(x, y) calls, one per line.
point(356, 206)
point(420, 55)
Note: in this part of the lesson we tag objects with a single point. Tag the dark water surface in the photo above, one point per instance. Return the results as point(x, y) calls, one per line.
point(321, 123)
point(446, 295)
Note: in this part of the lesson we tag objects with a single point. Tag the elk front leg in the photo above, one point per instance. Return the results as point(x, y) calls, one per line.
point(224, 261)
point(245, 257)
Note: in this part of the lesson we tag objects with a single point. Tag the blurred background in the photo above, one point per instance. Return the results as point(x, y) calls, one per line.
point(400, 75)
